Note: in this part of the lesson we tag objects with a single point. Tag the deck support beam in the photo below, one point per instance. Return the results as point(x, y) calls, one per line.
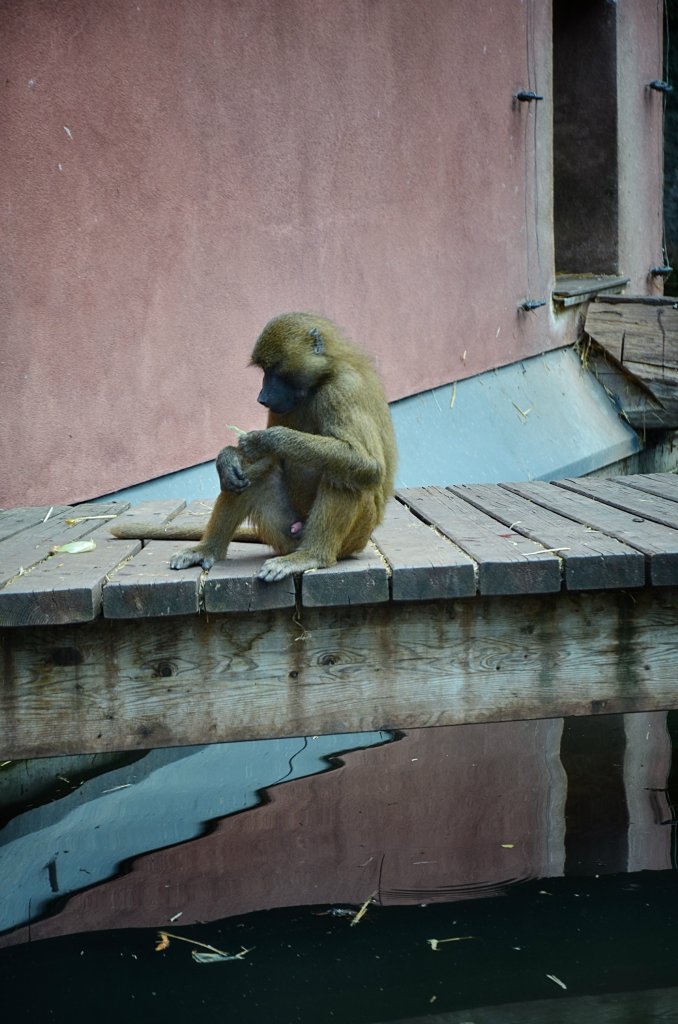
point(119, 685)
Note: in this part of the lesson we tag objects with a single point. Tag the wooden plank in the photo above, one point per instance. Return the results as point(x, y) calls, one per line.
point(195, 515)
point(572, 289)
point(591, 560)
point(14, 520)
point(360, 579)
point(145, 586)
point(630, 396)
point(664, 485)
point(507, 564)
point(65, 587)
point(635, 332)
point(232, 585)
point(658, 543)
point(424, 565)
point(26, 549)
point(663, 384)
point(646, 506)
point(154, 512)
point(645, 300)
point(112, 685)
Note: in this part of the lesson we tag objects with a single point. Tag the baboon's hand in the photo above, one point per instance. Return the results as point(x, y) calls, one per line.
point(231, 475)
point(258, 443)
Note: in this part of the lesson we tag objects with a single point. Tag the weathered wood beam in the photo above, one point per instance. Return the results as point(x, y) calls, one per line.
point(111, 685)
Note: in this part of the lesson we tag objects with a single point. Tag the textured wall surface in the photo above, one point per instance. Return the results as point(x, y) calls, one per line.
point(175, 174)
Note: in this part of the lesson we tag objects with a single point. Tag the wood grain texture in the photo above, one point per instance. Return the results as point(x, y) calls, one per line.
point(360, 579)
point(641, 505)
point(65, 587)
point(15, 520)
point(28, 548)
point(146, 587)
point(642, 338)
point(590, 559)
point(232, 585)
point(507, 563)
point(111, 685)
point(423, 564)
point(636, 332)
point(658, 543)
point(665, 485)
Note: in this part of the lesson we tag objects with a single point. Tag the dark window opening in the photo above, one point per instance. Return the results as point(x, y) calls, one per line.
point(585, 168)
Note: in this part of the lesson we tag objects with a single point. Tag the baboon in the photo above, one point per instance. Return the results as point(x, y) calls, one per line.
point(314, 483)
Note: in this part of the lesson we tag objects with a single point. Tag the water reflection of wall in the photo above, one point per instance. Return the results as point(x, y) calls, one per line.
point(440, 814)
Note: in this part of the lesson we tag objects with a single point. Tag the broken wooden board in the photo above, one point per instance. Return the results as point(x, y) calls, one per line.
point(643, 339)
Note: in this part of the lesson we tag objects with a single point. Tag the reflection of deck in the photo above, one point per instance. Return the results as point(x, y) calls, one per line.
point(477, 603)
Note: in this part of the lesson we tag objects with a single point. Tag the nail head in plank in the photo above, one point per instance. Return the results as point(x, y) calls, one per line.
point(359, 579)
point(507, 563)
point(591, 560)
point(424, 565)
point(658, 543)
point(146, 587)
point(65, 587)
point(232, 585)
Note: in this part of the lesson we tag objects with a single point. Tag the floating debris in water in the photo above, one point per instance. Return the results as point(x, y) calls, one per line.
point(435, 943)
point(212, 956)
point(363, 910)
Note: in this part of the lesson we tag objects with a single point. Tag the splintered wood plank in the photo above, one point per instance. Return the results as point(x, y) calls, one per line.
point(113, 685)
point(64, 587)
point(359, 579)
point(424, 565)
point(145, 586)
point(507, 563)
point(591, 559)
point(644, 340)
point(636, 332)
point(26, 549)
point(646, 506)
point(232, 585)
point(665, 485)
point(658, 543)
point(14, 520)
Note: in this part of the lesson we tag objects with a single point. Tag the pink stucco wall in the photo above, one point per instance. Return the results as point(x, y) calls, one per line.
point(174, 174)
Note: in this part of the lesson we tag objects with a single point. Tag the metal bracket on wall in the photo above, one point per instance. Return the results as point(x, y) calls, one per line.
point(527, 96)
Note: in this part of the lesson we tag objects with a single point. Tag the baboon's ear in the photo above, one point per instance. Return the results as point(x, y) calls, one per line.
point(318, 341)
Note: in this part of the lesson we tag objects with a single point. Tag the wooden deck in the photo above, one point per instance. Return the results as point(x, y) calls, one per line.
point(474, 604)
